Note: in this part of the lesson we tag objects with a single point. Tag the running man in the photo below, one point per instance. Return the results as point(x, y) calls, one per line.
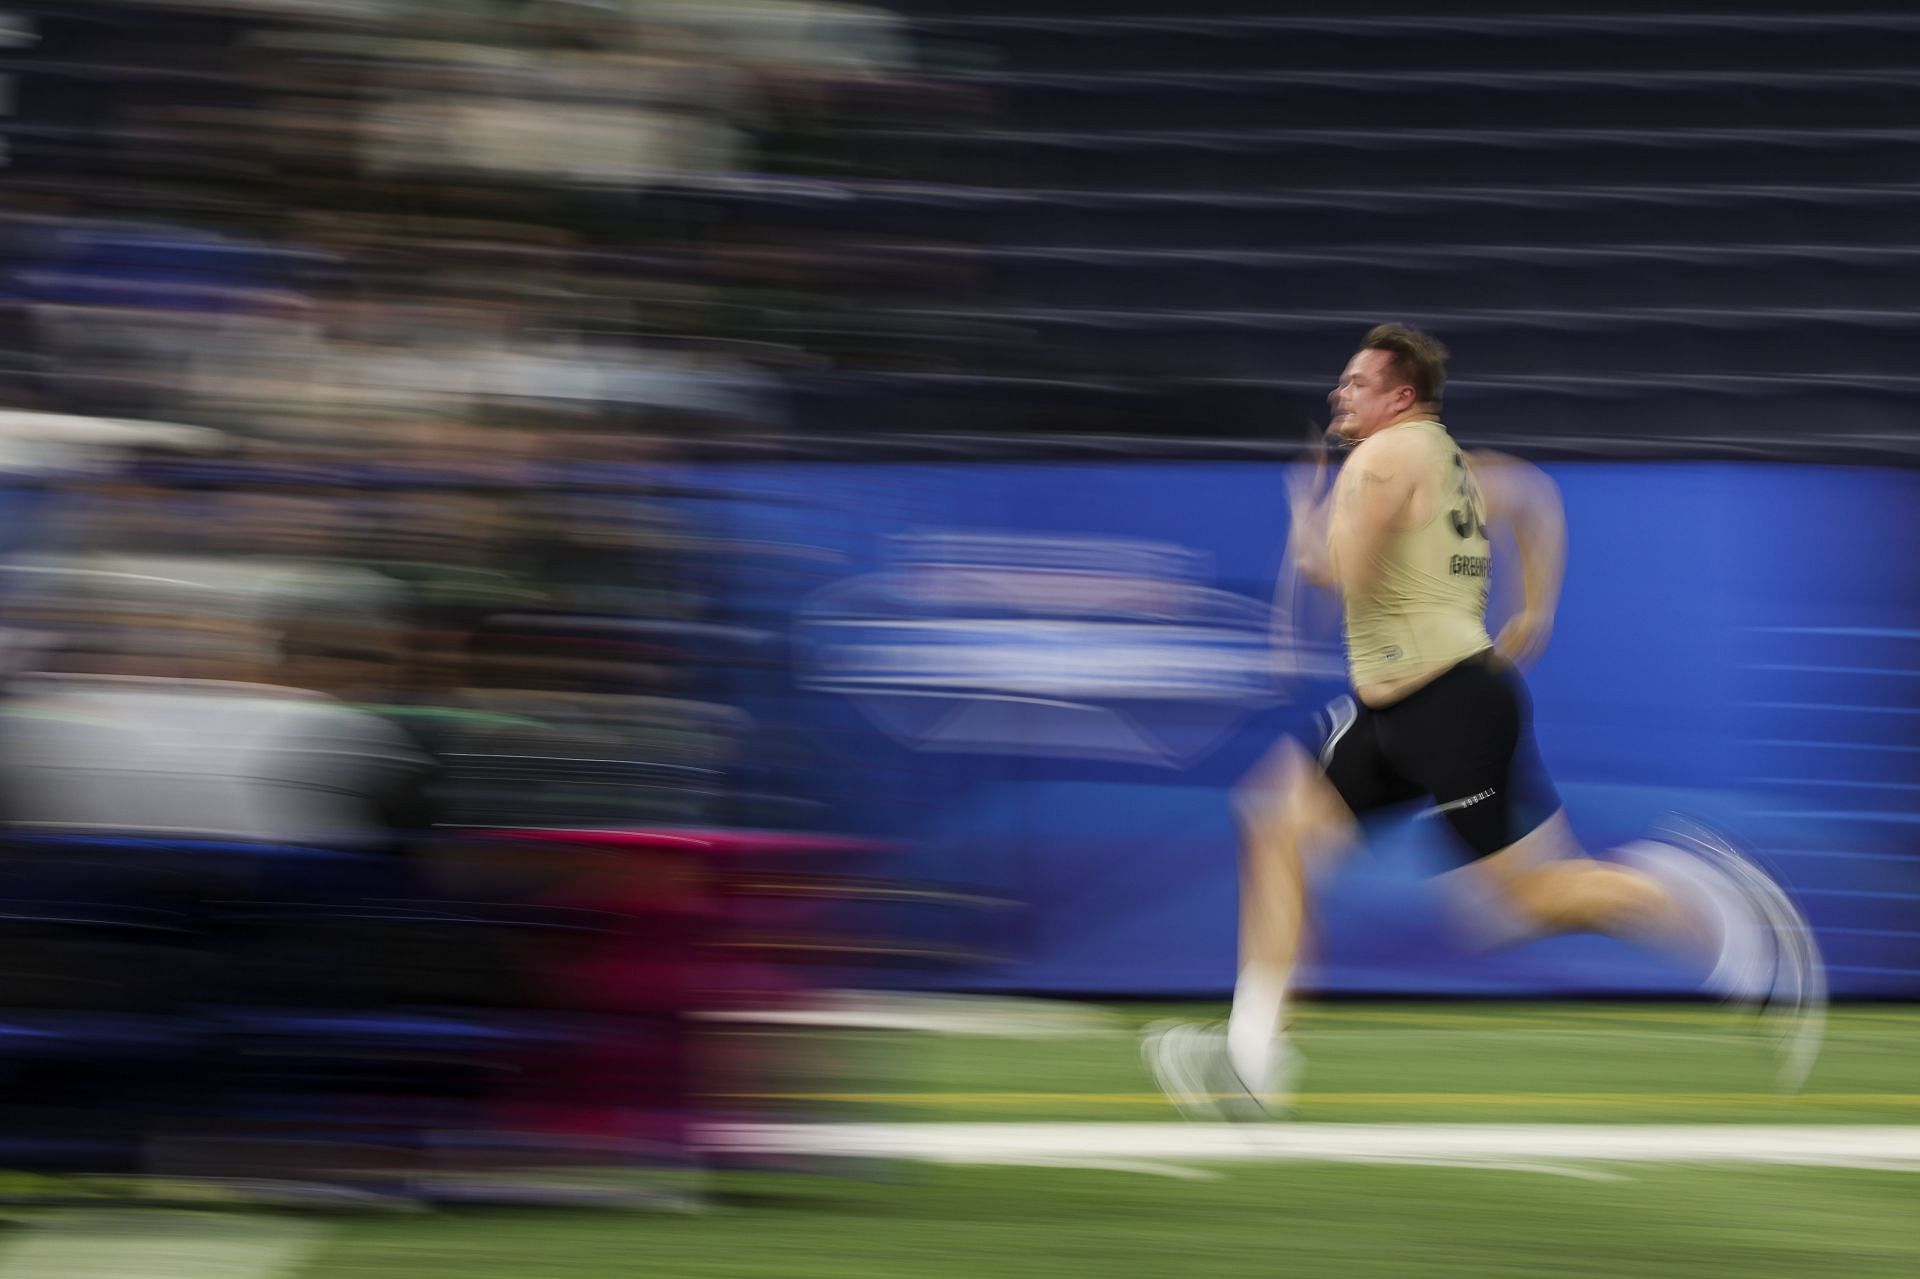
point(1439, 712)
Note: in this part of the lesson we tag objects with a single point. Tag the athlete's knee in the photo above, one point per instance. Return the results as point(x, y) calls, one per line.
point(1287, 809)
point(1285, 788)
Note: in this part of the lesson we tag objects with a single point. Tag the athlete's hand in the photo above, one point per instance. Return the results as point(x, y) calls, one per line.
point(1524, 637)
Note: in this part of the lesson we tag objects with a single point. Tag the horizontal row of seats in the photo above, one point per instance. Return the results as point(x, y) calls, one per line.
point(1173, 343)
point(1456, 98)
point(1516, 213)
point(1280, 158)
point(1280, 41)
point(1442, 276)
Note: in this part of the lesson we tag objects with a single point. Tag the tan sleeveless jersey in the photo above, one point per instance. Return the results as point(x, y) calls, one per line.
point(1429, 607)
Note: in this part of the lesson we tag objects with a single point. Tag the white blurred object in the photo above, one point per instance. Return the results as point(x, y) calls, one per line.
point(36, 442)
point(1793, 1007)
point(803, 34)
point(586, 143)
point(162, 1245)
point(197, 759)
point(1744, 959)
point(583, 119)
point(1191, 1063)
point(258, 589)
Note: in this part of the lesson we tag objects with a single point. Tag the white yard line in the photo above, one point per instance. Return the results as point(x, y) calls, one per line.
point(1538, 1147)
point(106, 1244)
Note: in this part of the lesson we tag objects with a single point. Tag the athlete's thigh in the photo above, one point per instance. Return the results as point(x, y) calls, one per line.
point(1467, 740)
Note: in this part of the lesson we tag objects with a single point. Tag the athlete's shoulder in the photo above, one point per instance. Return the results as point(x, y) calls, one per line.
point(1405, 445)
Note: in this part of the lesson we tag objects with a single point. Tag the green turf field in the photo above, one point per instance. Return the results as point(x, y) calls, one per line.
point(1369, 1065)
point(1319, 1220)
point(1416, 1062)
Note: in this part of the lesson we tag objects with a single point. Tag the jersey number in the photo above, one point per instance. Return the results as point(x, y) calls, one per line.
point(1466, 518)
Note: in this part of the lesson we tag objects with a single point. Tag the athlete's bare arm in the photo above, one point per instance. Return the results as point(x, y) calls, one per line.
point(1523, 498)
point(1309, 513)
point(1370, 500)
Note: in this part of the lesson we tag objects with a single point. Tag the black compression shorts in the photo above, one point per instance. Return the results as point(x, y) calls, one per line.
point(1465, 741)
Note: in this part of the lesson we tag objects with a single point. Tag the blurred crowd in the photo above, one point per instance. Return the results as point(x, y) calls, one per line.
point(373, 750)
point(452, 233)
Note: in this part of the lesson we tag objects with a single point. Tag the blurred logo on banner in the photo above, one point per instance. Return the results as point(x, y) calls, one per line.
point(1075, 647)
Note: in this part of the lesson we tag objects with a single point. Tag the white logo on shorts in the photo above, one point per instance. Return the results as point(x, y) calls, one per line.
point(1463, 803)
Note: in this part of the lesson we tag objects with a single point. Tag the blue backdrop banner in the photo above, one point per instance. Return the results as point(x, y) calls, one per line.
point(1043, 679)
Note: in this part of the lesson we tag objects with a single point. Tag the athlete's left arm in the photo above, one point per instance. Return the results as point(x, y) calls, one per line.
point(1521, 496)
point(1374, 490)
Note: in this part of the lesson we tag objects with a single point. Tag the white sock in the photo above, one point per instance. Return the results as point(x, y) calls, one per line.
point(1253, 1027)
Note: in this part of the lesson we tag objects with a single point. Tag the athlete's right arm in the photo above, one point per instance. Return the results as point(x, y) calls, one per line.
point(1310, 515)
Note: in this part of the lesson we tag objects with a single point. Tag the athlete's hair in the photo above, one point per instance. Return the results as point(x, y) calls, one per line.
point(1418, 359)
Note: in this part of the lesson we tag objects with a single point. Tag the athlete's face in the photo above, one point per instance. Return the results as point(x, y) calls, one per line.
point(1369, 396)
